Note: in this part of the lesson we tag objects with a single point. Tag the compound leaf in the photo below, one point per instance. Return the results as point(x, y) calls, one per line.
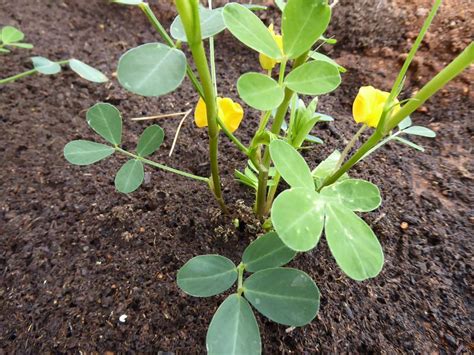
point(298, 218)
point(250, 30)
point(260, 91)
point(291, 165)
point(207, 275)
point(314, 78)
point(82, 152)
point(267, 251)
point(152, 69)
point(45, 66)
point(284, 295)
point(105, 120)
point(130, 176)
point(233, 329)
point(352, 243)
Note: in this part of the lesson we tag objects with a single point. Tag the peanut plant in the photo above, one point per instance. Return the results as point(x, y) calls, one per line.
point(323, 199)
point(11, 37)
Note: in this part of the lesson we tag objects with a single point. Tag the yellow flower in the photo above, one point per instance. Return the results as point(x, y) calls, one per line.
point(230, 112)
point(266, 62)
point(368, 105)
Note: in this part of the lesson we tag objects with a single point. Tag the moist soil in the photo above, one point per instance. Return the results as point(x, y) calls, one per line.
point(75, 255)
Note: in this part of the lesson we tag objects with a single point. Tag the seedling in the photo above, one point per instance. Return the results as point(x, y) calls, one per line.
point(11, 37)
point(325, 199)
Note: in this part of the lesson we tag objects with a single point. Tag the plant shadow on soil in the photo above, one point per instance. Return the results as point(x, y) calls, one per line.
point(75, 255)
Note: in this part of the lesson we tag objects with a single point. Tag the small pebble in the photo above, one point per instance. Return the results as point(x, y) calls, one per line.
point(404, 225)
point(123, 318)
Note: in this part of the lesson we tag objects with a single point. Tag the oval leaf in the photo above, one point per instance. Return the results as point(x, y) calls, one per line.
point(83, 152)
point(85, 71)
point(152, 69)
point(298, 218)
point(357, 195)
point(150, 140)
point(420, 131)
point(233, 329)
point(130, 176)
point(105, 119)
point(291, 165)
point(250, 30)
point(284, 295)
point(207, 275)
point(304, 21)
point(260, 91)
point(314, 78)
point(212, 23)
point(45, 66)
point(267, 251)
point(352, 243)
point(10, 34)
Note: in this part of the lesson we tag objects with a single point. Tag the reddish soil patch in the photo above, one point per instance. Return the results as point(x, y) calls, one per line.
point(75, 255)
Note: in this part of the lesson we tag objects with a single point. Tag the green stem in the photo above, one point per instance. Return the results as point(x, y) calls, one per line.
point(145, 7)
point(452, 70)
point(162, 167)
point(350, 145)
point(397, 86)
point(240, 280)
point(189, 12)
point(261, 205)
point(26, 73)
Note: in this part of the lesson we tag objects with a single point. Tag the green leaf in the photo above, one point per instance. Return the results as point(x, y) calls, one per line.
point(212, 23)
point(352, 243)
point(105, 120)
point(260, 91)
point(22, 45)
point(280, 4)
point(3, 50)
point(298, 218)
point(326, 168)
point(420, 131)
point(83, 152)
point(325, 58)
point(45, 66)
point(150, 140)
point(250, 30)
point(233, 329)
point(85, 71)
point(127, 2)
point(266, 252)
point(405, 123)
point(357, 195)
point(410, 144)
point(291, 165)
point(152, 69)
point(303, 22)
point(130, 176)
point(284, 295)
point(10, 34)
point(207, 275)
point(314, 78)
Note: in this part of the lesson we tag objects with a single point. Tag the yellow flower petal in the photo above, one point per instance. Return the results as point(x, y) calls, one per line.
point(266, 62)
point(368, 105)
point(200, 113)
point(231, 113)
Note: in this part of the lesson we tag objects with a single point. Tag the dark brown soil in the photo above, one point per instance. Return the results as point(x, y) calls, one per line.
point(75, 255)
